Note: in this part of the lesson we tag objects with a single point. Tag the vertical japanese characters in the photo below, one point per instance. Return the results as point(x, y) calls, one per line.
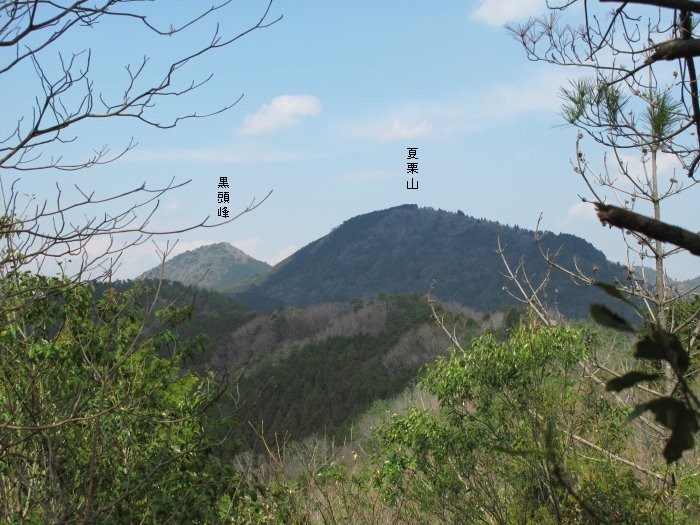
point(412, 167)
point(222, 197)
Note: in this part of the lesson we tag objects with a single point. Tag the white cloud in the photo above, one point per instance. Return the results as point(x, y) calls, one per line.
point(581, 211)
point(251, 245)
point(404, 122)
point(539, 92)
point(400, 130)
point(101, 253)
point(486, 108)
point(498, 12)
point(282, 112)
point(282, 254)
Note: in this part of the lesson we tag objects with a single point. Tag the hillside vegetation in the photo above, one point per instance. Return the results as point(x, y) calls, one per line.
point(214, 266)
point(404, 249)
point(312, 370)
point(316, 369)
point(503, 426)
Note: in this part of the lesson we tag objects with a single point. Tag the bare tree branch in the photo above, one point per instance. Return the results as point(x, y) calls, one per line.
point(688, 5)
point(71, 96)
point(659, 230)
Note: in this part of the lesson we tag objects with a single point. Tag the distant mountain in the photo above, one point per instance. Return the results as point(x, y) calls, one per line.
point(649, 274)
point(403, 249)
point(214, 266)
point(691, 284)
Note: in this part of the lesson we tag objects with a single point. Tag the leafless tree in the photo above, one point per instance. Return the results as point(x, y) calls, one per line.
point(640, 103)
point(633, 100)
point(33, 31)
point(34, 40)
point(35, 324)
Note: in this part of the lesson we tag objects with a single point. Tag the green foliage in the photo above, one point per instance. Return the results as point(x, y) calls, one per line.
point(686, 319)
point(585, 96)
point(483, 457)
point(205, 315)
point(662, 116)
point(680, 411)
point(96, 425)
point(323, 384)
point(575, 99)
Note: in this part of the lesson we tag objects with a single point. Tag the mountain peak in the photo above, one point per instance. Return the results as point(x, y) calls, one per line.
point(406, 248)
point(216, 266)
point(225, 248)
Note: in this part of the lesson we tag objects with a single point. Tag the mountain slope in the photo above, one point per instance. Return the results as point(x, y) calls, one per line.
point(313, 370)
point(214, 266)
point(403, 249)
point(649, 275)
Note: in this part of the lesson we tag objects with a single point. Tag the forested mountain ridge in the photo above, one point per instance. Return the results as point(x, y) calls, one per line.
point(214, 266)
point(403, 249)
point(315, 369)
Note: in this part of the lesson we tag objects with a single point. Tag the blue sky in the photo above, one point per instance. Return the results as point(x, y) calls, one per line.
point(334, 94)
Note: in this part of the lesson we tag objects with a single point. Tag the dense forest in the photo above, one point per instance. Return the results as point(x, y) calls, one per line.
point(339, 420)
point(406, 249)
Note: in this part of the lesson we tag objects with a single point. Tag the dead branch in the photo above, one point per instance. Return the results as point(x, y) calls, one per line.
point(529, 296)
point(71, 96)
point(659, 230)
point(688, 5)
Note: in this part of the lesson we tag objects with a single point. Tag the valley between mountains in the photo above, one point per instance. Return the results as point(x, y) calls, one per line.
point(343, 323)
